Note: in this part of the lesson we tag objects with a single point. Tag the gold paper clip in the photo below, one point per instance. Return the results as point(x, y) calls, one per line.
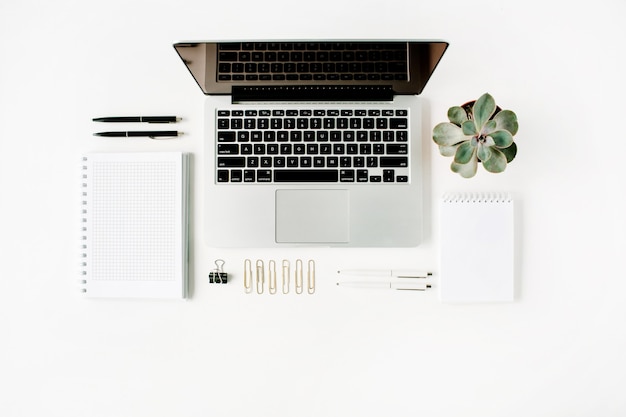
point(260, 276)
point(247, 276)
point(286, 276)
point(311, 277)
point(271, 270)
point(299, 283)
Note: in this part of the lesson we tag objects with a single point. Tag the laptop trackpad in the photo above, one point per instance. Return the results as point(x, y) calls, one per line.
point(312, 216)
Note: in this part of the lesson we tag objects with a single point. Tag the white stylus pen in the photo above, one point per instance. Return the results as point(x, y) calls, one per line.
point(392, 273)
point(414, 286)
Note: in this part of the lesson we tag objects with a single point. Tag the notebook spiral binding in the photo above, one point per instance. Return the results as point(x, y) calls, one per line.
point(83, 228)
point(477, 198)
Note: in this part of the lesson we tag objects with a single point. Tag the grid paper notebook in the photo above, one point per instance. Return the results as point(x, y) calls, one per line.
point(134, 224)
point(477, 248)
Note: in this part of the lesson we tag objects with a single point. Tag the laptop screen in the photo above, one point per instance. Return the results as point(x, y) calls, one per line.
point(403, 66)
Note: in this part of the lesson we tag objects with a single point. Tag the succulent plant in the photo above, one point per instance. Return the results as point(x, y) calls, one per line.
point(478, 131)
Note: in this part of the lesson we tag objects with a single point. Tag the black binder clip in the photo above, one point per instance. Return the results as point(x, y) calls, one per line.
point(218, 276)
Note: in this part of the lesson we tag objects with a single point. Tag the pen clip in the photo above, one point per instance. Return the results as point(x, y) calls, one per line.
point(164, 137)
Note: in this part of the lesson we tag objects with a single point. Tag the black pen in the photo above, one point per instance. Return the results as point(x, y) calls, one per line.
point(150, 134)
point(140, 119)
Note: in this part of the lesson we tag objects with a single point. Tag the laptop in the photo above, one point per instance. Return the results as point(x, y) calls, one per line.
point(312, 143)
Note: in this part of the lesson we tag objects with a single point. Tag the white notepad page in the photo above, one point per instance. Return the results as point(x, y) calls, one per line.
point(477, 248)
point(135, 225)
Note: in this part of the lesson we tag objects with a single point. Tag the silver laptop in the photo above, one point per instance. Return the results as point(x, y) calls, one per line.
point(312, 143)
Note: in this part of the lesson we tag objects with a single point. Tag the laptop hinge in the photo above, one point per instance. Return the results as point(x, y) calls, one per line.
point(312, 93)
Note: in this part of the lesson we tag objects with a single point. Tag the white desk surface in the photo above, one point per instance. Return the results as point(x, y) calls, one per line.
point(557, 351)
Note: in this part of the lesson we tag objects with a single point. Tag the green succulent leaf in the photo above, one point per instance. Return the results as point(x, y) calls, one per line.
point(469, 128)
point(502, 138)
point(465, 170)
point(484, 152)
point(489, 127)
point(484, 108)
point(507, 120)
point(510, 152)
point(448, 150)
point(497, 162)
point(447, 134)
point(464, 153)
point(457, 115)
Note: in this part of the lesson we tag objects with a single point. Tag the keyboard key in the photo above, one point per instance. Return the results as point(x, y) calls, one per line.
point(249, 175)
point(222, 175)
point(397, 149)
point(227, 149)
point(399, 123)
point(231, 162)
point(236, 175)
point(253, 161)
point(362, 175)
point(394, 161)
point(346, 175)
point(264, 175)
point(306, 175)
point(229, 46)
point(228, 56)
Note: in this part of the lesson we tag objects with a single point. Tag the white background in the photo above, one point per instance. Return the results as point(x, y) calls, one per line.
point(557, 351)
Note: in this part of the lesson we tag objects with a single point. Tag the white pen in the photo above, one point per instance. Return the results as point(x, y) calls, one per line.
point(397, 273)
point(413, 286)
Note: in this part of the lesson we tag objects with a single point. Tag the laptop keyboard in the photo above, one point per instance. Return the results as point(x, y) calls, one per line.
point(312, 145)
point(313, 61)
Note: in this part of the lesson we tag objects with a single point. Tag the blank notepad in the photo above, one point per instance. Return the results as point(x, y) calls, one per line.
point(135, 225)
point(477, 248)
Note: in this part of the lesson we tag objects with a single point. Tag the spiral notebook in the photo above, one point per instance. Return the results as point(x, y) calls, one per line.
point(134, 225)
point(477, 248)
